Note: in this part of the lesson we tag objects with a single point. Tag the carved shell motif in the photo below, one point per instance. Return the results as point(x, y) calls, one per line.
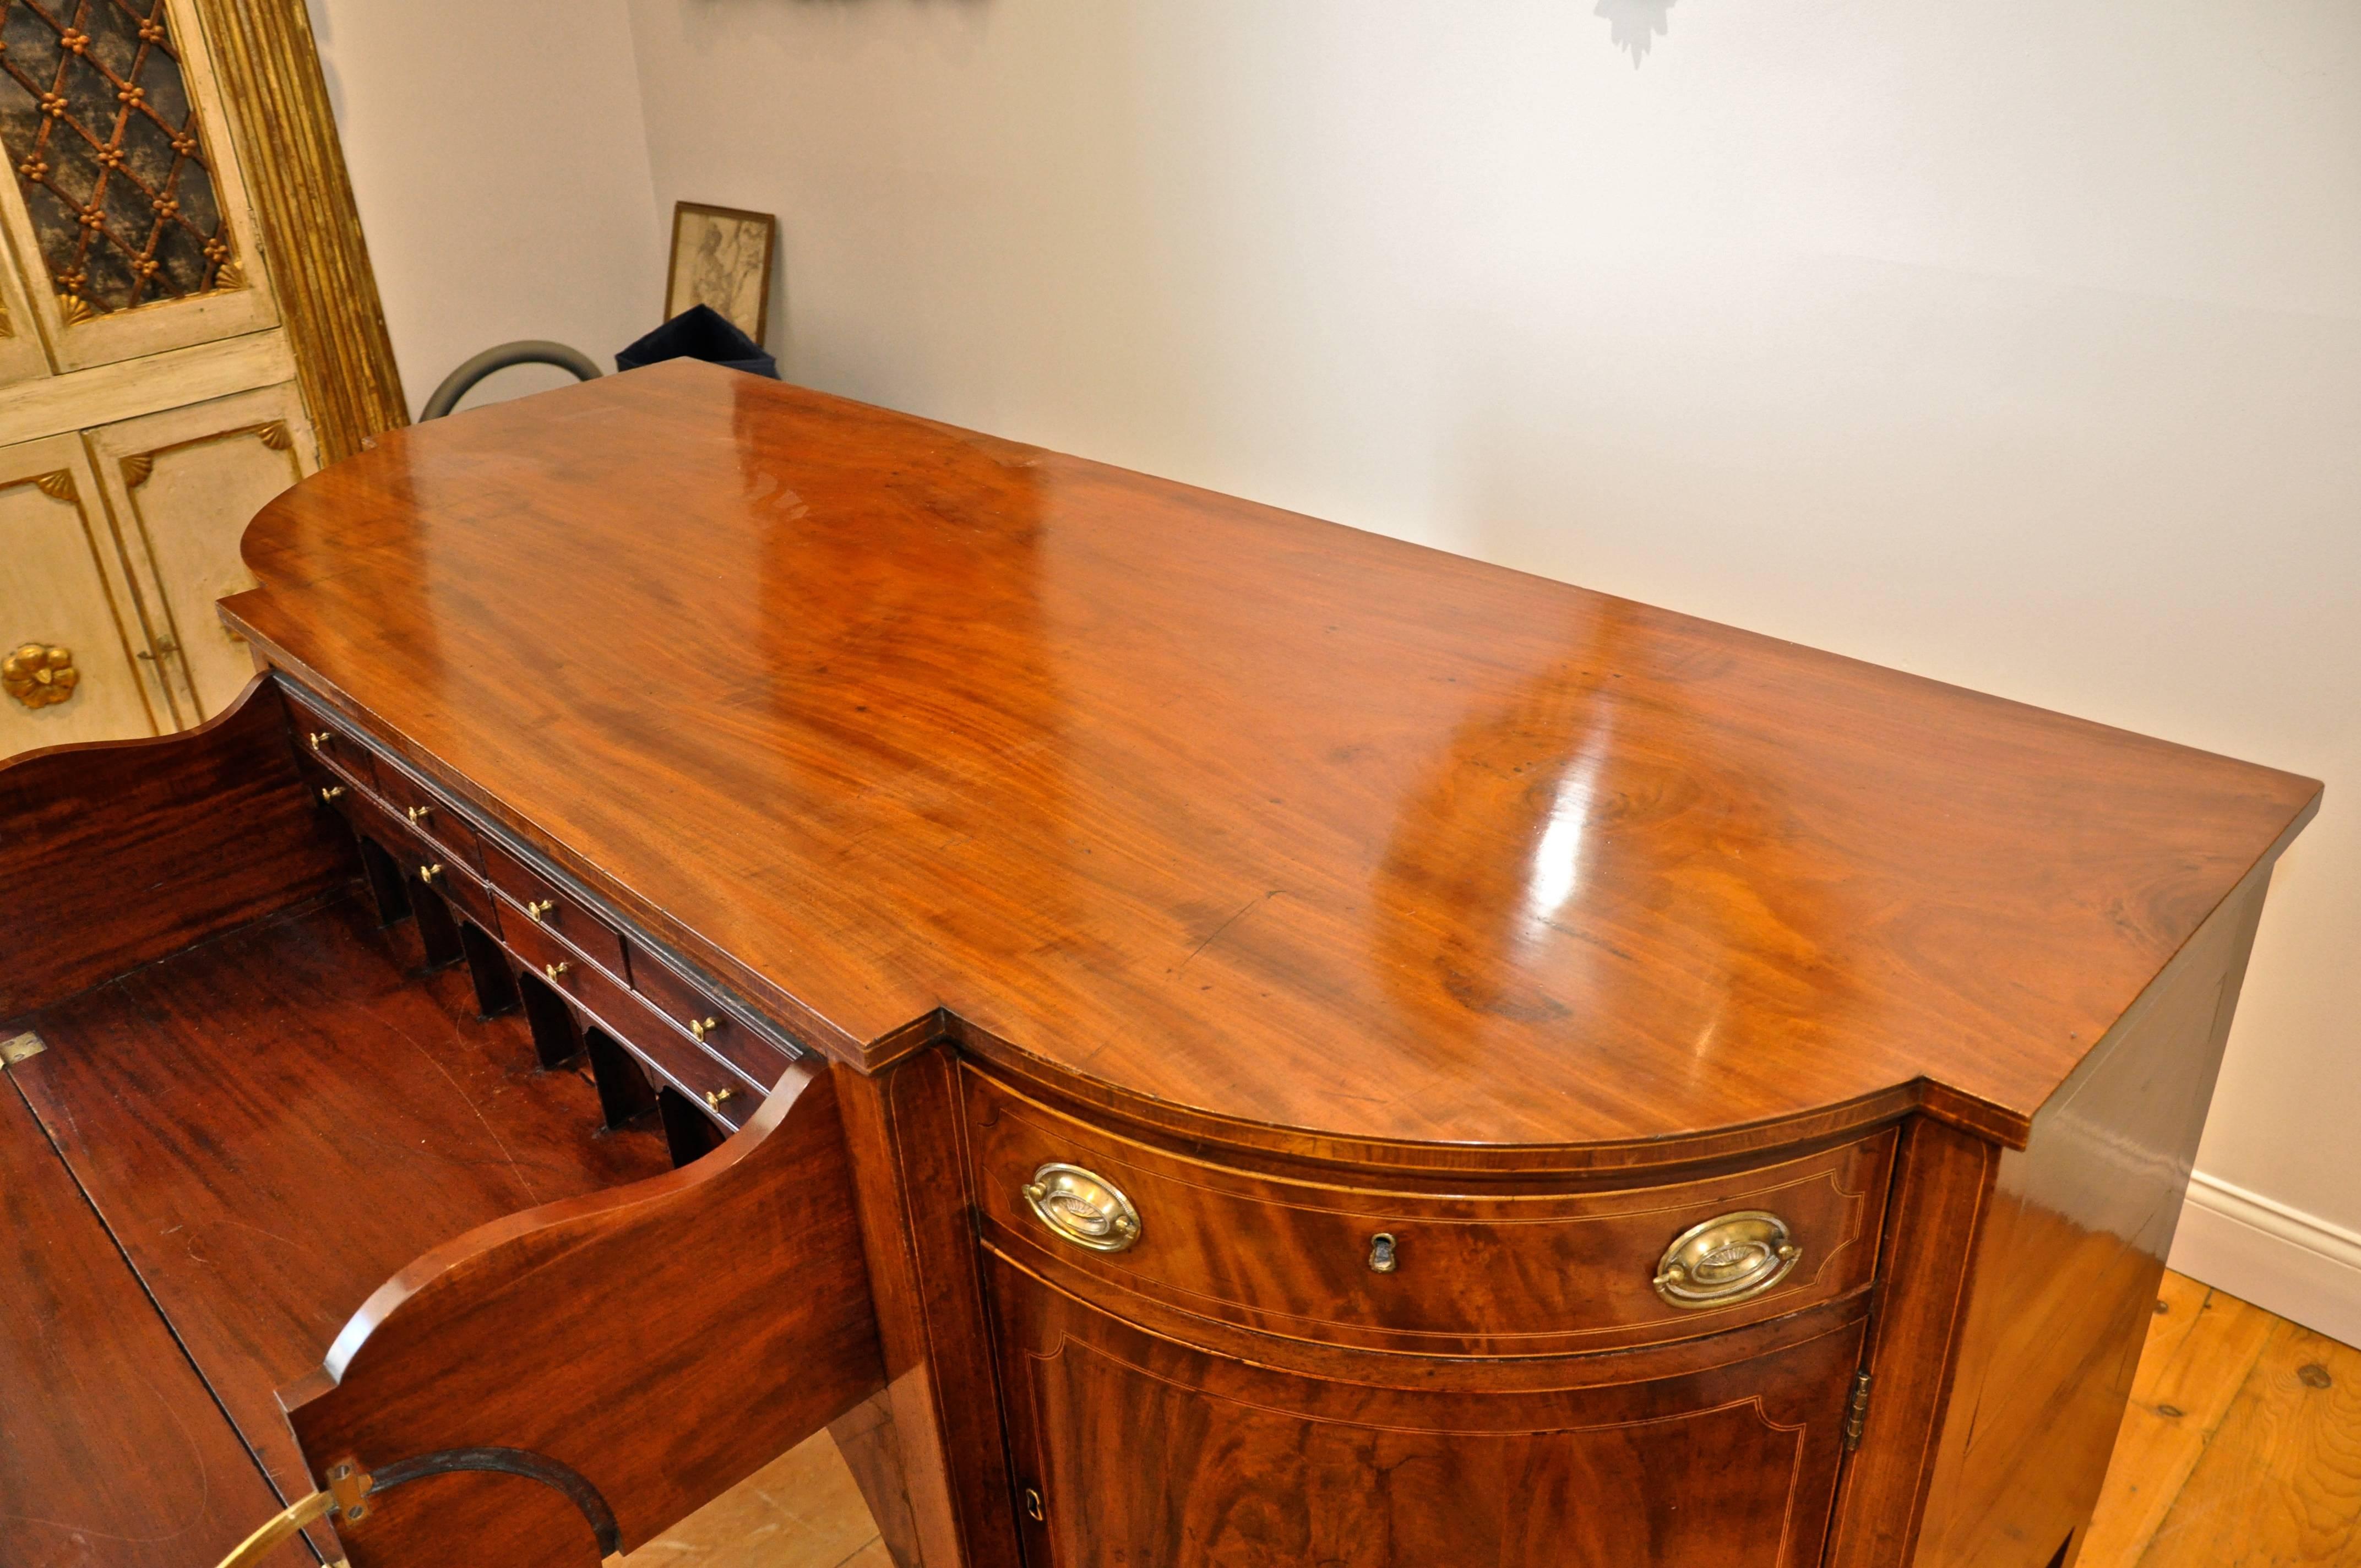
point(38, 676)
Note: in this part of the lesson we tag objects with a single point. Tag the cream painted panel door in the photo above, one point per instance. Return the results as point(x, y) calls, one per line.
point(65, 591)
point(184, 484)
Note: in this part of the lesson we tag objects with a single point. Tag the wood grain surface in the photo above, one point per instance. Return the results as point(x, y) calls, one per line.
point(118, 853)
point(1222, 809)
point(111, 1452)
point(1374, 1464)
point(2241, 1448)
point(662, 1340)
point(275, 1121)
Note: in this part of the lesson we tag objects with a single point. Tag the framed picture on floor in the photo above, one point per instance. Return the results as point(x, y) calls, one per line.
point(721, 258)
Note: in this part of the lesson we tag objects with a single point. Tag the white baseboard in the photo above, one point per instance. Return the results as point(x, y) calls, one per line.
point(2281, 1259)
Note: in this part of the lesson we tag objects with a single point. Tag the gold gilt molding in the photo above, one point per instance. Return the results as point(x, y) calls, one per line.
point(295, 175)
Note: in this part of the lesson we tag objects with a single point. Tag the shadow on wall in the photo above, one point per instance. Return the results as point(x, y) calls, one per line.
point(1634, 26)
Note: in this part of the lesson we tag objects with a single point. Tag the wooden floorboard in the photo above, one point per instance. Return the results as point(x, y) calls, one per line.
point(2241, 1448)
point(274, 1122)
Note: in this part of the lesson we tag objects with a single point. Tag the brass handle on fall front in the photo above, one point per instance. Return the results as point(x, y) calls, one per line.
point(700, 1027)
point(347, 1485)
point(1727, 1260)
point(535, 909)
point(1082, 1208)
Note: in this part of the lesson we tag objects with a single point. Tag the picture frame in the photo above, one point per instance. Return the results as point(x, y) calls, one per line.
point(723, 257)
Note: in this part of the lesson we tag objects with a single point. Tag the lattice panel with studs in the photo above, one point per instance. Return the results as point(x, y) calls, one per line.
point(98, 124)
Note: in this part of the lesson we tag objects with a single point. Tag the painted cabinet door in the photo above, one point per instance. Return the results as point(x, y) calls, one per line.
point(64, 593)
point(1133, 1450)
point(184, 484)
point(123, 209)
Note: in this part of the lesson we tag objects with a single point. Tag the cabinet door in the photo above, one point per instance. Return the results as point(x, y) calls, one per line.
point(63, 581)
point(186, 483)
point(1134, 1450)
point(123, 203)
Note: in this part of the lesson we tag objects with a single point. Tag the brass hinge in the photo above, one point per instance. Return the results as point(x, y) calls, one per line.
point(1857, 1414)
point(17, 1048)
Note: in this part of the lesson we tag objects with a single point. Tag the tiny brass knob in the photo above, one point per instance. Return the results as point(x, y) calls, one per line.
point(1382, 1259)
point(1082, 1208)
point(540, 907)
point(554, 970)
point(428, 873)
point(321, 738)
point(700, 1027)
point(1727, 1260)
point(332, 791)
point(714, 1097)
point(421, 813)
point(38, 676)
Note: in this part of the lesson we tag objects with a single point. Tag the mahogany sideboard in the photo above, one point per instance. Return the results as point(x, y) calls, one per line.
point(1189, 1036)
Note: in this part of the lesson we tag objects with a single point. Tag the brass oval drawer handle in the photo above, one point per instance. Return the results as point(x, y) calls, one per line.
point(554, 970)
point(700, 1027)
point(1727, 1260)
point(535, 910)
point(418, 814)
point(428, 873)
point(333, 792)
point(1082, 1208)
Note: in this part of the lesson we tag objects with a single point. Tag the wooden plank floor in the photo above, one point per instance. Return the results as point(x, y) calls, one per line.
point(2242, 1449)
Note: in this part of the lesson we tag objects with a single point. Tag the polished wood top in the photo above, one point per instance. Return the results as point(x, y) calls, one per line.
point(1220, 811)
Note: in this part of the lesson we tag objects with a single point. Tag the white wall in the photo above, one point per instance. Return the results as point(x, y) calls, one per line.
point(2016, 344)
point(501, 167)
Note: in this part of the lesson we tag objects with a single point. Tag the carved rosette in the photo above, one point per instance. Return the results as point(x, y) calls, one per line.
point(39, 676)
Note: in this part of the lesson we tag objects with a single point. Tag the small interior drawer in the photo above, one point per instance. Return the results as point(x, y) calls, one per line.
point(431, 815)
point(689, 1005)
point(330, 741)
point(533, 897)
point(1442, 1273)
point(629, 1020)
point(432, 866)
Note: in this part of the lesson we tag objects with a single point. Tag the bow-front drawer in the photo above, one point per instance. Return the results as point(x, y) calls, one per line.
point(1433, 1271)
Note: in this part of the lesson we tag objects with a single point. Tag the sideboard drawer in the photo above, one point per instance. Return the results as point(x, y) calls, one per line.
point(330, 741)
point(713, 1024)
point(637, 1026)
point(431, 815)
point(1429, 1271)
point(553, 908)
